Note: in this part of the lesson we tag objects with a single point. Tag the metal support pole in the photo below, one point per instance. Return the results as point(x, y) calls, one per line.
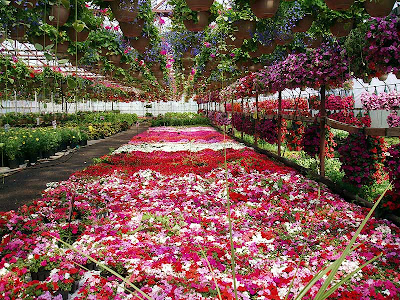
point(280, 124)
point(323, 131)
point(255, 124)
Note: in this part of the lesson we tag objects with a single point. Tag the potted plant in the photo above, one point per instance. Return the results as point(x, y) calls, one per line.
point(59, 13)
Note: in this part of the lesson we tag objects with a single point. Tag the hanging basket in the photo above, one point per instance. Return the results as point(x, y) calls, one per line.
point(245, 29)
point(78, 36)
point(115, 59)
point(17, 32)
point(125, 10)
point(140, 44)
point(339, 5)
point(125, 65)
point(383, 77)
point(24, 3)
point(132, 29)
point(202, 22)
point(58, 15)
point(264, 8)
point(285, 40)
point(268, 49)
point(199, 5)
point(304, 24)
point(313, 43)
point(342, 27)
point(379, 8)
point(237, 42)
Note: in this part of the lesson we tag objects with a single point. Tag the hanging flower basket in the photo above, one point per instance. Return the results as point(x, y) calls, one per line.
point(339, 5)
point(304, 24)
point(379, 8)
point(264, 8)
point(58, 15)
point(125, 65)
point(342, 27)
point(199, 5)
point(132, 29)
point(125, 10)
point(140, 44)
point(284, 40)
point(115, 59)
point(268, 49)
point(237, 42)
point(244, 29)
point(313, 42)
point(78, 36)
point(202, 22)
point(17, 32)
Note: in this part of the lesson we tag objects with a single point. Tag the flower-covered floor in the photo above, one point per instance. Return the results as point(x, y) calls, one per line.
point(149, 210)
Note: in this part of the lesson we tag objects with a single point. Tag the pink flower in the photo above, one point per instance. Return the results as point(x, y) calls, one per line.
point(161, 21)
point(43, 263)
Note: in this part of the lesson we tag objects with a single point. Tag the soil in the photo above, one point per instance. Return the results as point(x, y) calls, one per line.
point(26, 185)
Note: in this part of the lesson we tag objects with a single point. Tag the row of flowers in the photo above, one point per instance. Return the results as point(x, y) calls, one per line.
point(160, 219)
point(364, 159)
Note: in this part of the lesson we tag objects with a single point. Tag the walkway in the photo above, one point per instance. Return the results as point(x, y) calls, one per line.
point(26, 185)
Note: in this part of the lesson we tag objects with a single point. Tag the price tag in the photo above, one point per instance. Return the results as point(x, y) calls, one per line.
point(137, 124)
point(54, 123)
point(6, 127)
point(37, 121)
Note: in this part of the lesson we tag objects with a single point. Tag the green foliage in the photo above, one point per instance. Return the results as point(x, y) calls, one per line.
point(179, 119)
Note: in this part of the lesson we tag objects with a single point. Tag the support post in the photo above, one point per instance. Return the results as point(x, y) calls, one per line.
point(242, 115)
point(280, 123)
point(255, 124)
point(322, 144)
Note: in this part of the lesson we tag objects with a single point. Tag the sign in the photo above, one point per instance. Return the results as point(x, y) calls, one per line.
point(37, 121)
point(54, 123)
point(6, 127)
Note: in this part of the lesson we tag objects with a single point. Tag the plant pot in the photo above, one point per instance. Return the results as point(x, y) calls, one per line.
point(78, 36)
point(268, 49)
point(24, 3)
point(313, 43)
point(284, 40)
point(83, 143)
point(304, 24)
point(64, 294)
point(237, 42)
point(40, 275)
point(125, 66)
point(140, 44)
point(202, 22)
point(245, 29)
point(125, 10)
point(17, 32)
point(264, 8)
point(342, 27)
point(339, 5)
point(383, 77)
point(43, 40)
point(58, 15)
point(199, 5)
point(32, 157)
point(115, 59)
point(13, 164)
point(379, 8)
point(132, 29)
point(62, 48)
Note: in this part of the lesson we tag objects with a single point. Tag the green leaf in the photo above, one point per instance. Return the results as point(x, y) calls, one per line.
point(65, 3)
point(63, 61)
point(71, 83)
point(11, 80)
point(79, 25)
point(51, 18)
point(38, 47)
point(49, 47)
point(48, 56)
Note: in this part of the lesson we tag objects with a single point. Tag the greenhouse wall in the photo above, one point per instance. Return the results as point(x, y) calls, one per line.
point(137, 107)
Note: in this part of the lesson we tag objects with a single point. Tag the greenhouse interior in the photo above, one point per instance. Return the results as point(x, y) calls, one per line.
point(200, 149)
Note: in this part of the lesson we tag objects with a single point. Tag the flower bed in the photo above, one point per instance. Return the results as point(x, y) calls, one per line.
point(149, 215)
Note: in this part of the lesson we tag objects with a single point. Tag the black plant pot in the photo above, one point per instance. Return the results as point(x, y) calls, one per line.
point(46, 154)
point(73, 145)
point(33, 157)
point(83, 143)
point(52, 152)
point(63, 146)
point(13, 164)
point(40, 275)
point(64, 294)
